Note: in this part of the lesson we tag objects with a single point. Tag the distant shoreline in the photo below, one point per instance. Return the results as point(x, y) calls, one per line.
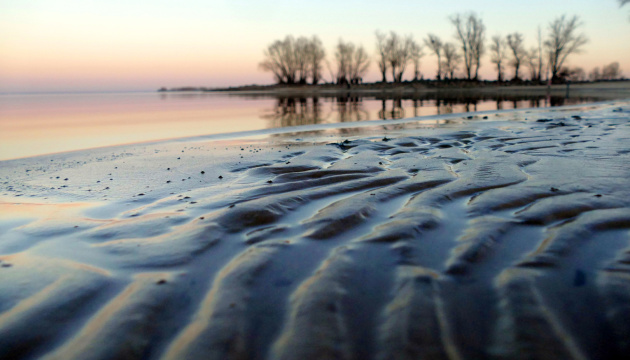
point(428, 86)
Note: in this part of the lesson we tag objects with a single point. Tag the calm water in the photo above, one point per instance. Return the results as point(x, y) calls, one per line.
point(43, 124)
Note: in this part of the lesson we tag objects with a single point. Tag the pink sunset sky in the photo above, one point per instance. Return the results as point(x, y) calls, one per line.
point(72, 45)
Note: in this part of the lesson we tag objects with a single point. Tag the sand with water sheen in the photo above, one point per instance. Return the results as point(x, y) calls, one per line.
point(497, 237)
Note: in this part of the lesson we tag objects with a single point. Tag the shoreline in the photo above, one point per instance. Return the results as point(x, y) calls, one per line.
point(462, 87)
point(262, 134)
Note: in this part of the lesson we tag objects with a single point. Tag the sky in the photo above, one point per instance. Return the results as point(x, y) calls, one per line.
point(134, 45)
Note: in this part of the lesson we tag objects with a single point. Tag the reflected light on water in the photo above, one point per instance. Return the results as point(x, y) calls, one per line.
point(37, 124)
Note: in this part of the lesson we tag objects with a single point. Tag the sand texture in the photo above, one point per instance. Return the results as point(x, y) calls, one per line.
point(500, 236)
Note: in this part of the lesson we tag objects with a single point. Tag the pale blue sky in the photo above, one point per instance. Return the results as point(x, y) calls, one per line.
point(48, 45)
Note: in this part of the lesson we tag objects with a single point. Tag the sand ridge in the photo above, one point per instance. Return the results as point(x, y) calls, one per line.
point(483, 236)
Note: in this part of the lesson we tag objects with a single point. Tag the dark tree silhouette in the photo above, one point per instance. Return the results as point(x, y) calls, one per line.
point(563, 41)
point(352, 63)
point(416, 55)
point(532, 58)
point(315, 54)
point(401, 51)
point(515, 43)
point(611, 71)
point(382, 53)
point(294, 61)
point(498, 54)
point(594, 75)
point(470, 31)
point(451, 60)
point(434, 43)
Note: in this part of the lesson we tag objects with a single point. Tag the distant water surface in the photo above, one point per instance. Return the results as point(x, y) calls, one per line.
point(37, 124)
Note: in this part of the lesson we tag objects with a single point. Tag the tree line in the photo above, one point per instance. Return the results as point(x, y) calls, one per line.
point(302, 60)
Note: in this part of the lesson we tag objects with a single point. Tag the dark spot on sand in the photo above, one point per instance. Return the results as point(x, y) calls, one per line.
point(201, 218)
point(66, 179)
point(161, 282)
point(485, 117)
point(220, 177)
point(580, 278)
point(576, 117)
point(231, 206)
point(202, 172)
point(269, 181)
point(380, 163)
point(469, 117)
point(141, 194)
point(168, 181)
point(598, 195)
point(543, 120)
point(554, 189)
point(385, 139)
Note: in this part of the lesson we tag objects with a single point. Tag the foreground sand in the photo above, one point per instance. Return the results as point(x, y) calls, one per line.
point(496, 237)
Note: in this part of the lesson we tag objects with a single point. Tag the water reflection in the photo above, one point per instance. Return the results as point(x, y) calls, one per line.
point(35, 124)
point(303, 110)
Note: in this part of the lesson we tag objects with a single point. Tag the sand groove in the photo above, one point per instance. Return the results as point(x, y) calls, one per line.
point(493, 239)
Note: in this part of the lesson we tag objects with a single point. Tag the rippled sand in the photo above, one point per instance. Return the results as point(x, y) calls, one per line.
point(494, 236)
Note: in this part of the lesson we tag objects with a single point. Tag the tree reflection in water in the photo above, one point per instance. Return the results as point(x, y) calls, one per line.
point(322, 109)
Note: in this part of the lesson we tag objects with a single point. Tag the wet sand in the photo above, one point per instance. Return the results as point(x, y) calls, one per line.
point(497, 235)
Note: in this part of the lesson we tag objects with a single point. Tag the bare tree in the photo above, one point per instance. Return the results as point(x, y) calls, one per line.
point(594, 75)
point(470, 31)
point(611, 71)
point(416, 55)
point(498, 53)
point(396, 55)
point(315, 56)
point(563, 41)
point(359, 65)
point(300, 49)
point(294, 61)
point(478, 43)
point(434, 43)
point(352, 63)
point(532, 59)
point(576, 74)
point(515, 43)
point(343, 56)
point(280, 60)
point(400, 54)
point(451, 60)
point(382, 52)
point(540, 54)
